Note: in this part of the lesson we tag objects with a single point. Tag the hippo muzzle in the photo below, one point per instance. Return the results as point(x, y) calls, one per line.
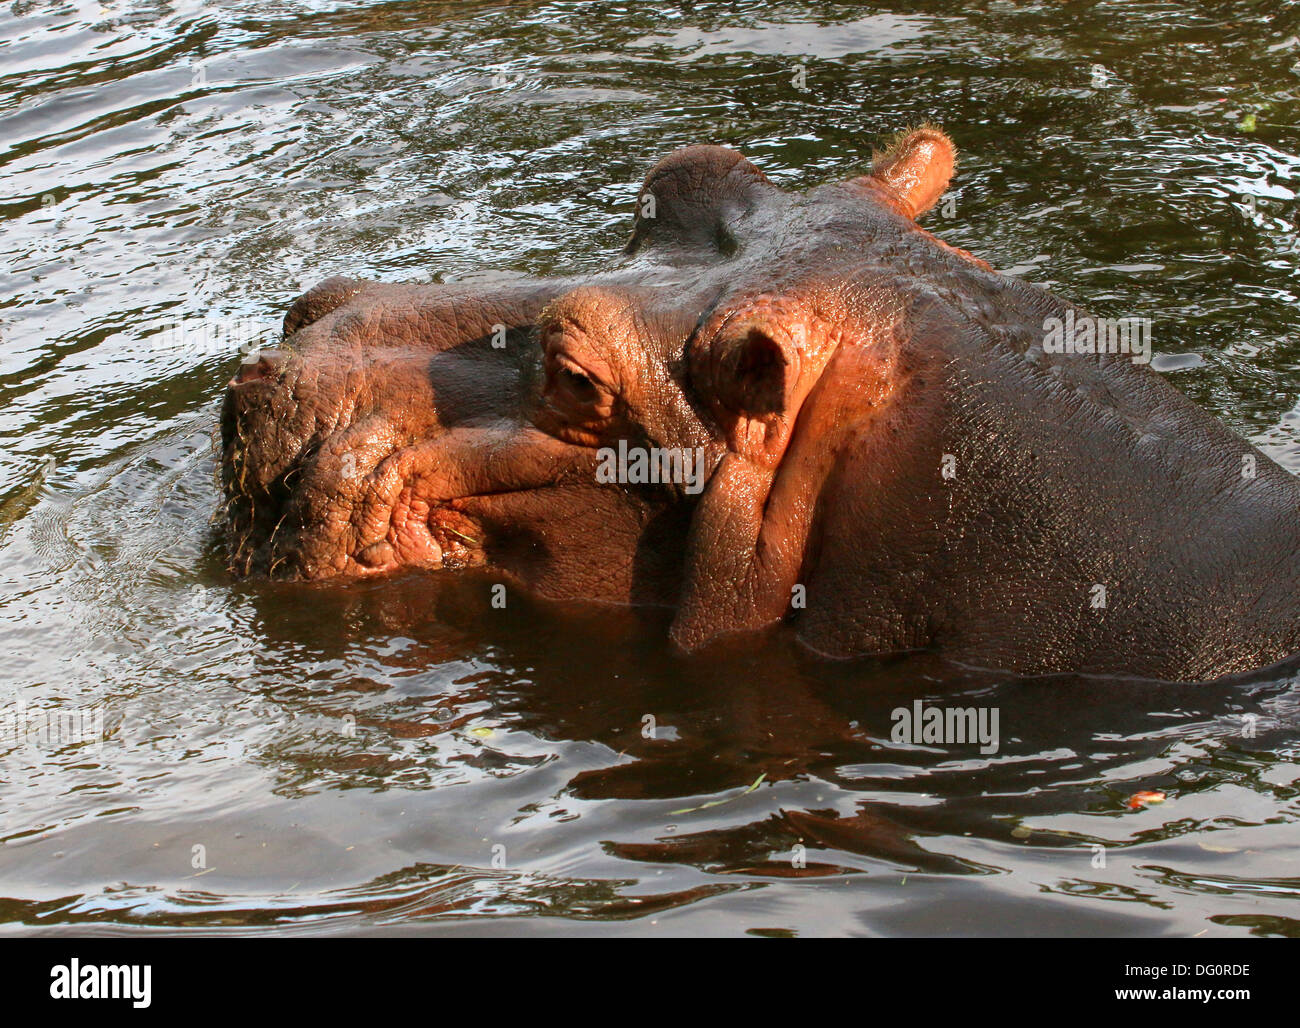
point(386, 433)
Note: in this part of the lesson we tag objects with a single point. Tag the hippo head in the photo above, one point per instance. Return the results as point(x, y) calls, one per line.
point(658, 433)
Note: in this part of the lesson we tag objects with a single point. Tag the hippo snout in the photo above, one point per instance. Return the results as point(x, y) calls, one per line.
point(261, 366)
point(384, 432)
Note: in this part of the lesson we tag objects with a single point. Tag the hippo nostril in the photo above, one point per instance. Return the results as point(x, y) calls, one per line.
point(261, 366)
point(320, 300)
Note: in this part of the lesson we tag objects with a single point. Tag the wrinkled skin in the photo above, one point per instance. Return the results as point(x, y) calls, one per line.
point(830, 359)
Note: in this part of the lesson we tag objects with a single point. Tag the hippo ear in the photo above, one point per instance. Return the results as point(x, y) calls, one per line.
point(689, 196)
point(915, 169)
point(752, 372)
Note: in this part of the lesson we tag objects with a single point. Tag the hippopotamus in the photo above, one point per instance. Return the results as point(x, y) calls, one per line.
point(772, 412)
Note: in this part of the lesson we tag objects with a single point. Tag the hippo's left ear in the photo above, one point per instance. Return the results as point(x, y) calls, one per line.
point(754, 373)
point(916, 169)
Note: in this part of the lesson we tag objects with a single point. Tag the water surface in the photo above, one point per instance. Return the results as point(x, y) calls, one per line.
point(397, 756)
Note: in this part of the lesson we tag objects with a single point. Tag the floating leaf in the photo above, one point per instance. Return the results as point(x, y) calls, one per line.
point(714, 803)
point(1247, 124)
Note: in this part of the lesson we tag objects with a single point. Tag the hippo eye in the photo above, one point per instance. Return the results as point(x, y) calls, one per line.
point(580, 401)
point(577, 405)
point(580, 385)
point(569, 383)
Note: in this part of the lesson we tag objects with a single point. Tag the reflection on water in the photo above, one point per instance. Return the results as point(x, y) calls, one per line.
point(397, 755)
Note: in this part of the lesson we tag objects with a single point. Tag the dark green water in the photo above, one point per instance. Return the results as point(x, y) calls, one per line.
point(396, 756)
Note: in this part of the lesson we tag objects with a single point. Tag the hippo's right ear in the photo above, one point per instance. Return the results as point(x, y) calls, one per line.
point(915, 170)
point(690, 195)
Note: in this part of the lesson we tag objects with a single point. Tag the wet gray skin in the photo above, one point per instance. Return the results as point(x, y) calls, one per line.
point(895, 453)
